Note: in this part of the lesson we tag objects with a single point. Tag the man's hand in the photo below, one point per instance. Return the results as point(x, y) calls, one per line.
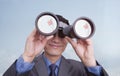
point(84, 50)
point(35, 43)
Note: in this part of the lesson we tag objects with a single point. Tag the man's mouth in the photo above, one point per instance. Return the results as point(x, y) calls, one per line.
point(54, 45)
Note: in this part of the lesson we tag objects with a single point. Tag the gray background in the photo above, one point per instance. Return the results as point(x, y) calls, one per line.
point(17, 20)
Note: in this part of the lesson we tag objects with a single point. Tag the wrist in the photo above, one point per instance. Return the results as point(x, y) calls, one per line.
point(89, 62)
point(27, 58)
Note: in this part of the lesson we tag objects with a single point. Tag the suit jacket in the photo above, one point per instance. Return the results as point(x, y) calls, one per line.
point(67, 68)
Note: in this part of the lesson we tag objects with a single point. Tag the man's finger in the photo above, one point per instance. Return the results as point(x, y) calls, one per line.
point(89, 41)
point(46, 39)
point(49, 37)
point(72, 42)
point(33, 32)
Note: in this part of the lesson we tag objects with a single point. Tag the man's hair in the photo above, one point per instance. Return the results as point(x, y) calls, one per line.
point(61, 18)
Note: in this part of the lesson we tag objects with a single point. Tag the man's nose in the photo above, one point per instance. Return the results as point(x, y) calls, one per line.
point(56, 38)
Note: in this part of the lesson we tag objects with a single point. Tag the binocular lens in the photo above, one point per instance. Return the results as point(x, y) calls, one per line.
point(83, 28)
point(48, 24)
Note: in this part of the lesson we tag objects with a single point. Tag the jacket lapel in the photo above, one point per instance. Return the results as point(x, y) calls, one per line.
point(65, 68)
point(41, 67)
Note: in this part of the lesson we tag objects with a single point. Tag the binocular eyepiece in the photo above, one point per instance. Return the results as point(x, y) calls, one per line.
point(48, 24)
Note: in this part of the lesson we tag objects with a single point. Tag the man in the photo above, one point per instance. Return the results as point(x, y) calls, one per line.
point(36, 62)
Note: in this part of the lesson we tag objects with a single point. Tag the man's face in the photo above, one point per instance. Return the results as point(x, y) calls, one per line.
point(55, 46)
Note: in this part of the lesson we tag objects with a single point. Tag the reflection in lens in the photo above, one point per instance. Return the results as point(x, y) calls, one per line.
point(82, 28)
point(47, 24)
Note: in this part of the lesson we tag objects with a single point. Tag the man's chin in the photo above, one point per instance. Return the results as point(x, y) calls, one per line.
point(54, 53)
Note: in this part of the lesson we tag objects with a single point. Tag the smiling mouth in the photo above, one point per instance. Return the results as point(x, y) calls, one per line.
point(55, 45)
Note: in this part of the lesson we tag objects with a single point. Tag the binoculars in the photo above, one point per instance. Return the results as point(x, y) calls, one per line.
point(48, 23)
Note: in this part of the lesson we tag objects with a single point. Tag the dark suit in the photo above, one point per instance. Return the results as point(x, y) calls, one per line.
point(67, 68)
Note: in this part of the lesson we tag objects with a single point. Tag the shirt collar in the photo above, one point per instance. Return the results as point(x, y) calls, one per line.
point(48, 63)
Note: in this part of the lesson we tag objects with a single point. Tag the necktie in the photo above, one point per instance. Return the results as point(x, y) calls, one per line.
point(52, 69)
